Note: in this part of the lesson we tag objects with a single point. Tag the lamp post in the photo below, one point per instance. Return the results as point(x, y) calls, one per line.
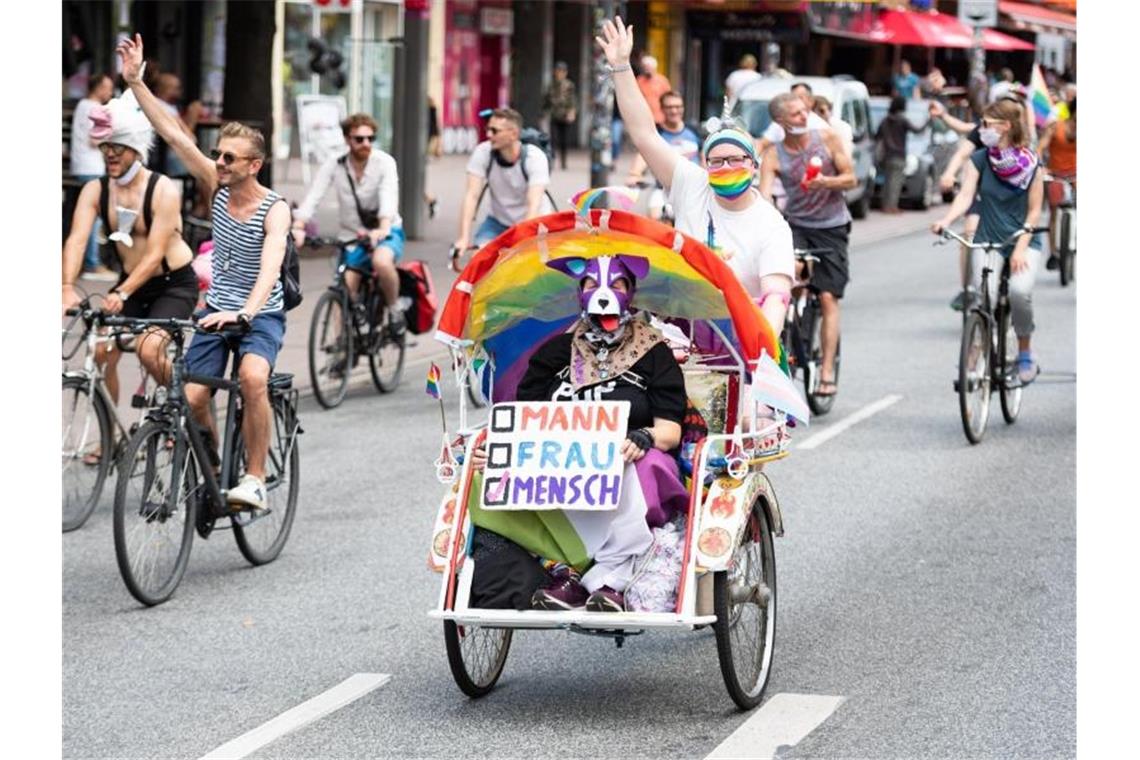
point(601, 111)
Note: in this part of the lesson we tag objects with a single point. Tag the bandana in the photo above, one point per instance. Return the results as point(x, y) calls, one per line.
point(729, 183)
point(598, 362)
point(1013, 166)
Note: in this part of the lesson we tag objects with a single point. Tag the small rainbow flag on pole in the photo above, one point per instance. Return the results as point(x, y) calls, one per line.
point(1039, 96)
point(433, 381)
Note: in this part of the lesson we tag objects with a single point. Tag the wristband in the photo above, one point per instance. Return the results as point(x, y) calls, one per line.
point(641, 438)
point(785, 298)
point(620, 67)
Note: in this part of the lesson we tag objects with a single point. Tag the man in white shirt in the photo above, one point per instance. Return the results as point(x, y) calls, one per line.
point(368, 193)
point(516, 176)
point(87, 164)
point(746, 74)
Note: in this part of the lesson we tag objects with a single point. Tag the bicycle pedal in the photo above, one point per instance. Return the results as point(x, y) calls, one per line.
point(138, 401)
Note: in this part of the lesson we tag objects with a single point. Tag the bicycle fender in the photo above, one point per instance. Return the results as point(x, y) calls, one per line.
point(724, 515)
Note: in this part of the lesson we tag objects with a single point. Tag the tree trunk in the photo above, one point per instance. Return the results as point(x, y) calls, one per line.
point(248, 93)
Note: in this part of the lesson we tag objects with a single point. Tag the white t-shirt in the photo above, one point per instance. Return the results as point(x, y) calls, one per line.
point(737, 79)
point(755, 242)
point(775, 133)
point(85, 157)
point(508, 186)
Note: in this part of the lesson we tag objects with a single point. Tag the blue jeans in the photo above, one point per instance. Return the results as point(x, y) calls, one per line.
point(490, 229)
point(91, 254)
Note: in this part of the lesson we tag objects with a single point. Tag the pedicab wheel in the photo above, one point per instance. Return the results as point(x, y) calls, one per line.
point(974, 377)
point(261, 537)
point(476, 655)
point(813, 372)
point(386, 363)
point(744, 600)
point(87, 451)
point(330, 348)
point(1007, 368)
point(1067, 254)
point(156, 503)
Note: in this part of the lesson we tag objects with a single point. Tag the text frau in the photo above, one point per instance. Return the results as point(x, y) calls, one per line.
point(570, 418)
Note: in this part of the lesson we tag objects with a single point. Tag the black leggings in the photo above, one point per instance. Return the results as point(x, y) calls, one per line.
point(561, 137)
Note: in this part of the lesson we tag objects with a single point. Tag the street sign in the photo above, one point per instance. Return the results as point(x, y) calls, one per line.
point(978, 13)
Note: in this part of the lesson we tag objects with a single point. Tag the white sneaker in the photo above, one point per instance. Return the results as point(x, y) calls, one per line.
point(248, 493)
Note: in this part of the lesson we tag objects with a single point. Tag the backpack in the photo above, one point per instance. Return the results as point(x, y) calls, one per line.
point(528, 136)
point(418, 291)
point(291, 270)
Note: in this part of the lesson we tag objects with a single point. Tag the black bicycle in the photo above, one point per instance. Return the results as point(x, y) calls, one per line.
point(344, 328)
point(802, 334)
point(172, 481)
point(987, 359)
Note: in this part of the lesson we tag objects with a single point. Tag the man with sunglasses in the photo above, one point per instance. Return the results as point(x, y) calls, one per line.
point(680, 136)
point(367, 194)
point(250, 225)
point(515, 173)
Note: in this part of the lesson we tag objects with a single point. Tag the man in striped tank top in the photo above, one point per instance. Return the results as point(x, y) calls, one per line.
point(815, 170)
point(250, 226)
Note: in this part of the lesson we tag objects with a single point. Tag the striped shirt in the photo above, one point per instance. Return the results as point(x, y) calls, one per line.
point(236, 260)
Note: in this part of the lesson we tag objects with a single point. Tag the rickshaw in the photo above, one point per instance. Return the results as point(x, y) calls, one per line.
point(504, 305)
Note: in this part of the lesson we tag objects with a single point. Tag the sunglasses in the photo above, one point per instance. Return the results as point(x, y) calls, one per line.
point(227, 157)
point(734, 162)
point(361, 139)
point(112, 149)
point(993, 122)
point(493, 130)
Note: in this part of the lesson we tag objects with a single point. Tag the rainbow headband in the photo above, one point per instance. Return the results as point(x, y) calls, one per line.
point(735, 137)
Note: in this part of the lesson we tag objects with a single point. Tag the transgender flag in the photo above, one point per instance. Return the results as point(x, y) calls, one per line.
point(1038, 95)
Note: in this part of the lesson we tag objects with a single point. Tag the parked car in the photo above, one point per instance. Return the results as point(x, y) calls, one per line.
point(849, 100)
point(928, 153)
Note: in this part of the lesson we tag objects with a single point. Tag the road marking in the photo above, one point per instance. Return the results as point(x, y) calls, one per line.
point(784, 720)
point(824, 436)
point(348, 690)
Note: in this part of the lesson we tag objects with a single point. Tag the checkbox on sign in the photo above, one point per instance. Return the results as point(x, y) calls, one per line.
point(498, 455)
point(503, 419)
point(495, 490)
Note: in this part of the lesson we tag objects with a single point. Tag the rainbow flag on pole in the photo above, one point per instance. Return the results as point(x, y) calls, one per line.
point(1038, 96)
point(433, 381)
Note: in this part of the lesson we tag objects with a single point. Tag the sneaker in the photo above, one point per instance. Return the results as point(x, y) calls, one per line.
point(1052, 263)
point(565, 594)
point(99, 274)
point(606, 599)
point(397, 323)
point(1027, 369)
point(249, 493)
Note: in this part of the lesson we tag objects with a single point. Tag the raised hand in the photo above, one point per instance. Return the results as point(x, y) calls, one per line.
point(616, 41)
point(131, 54)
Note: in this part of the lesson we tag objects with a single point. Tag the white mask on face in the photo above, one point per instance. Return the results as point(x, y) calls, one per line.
point(796, 130)
point(989, 136)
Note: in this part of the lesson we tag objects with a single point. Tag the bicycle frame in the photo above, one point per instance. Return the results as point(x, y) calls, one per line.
point(93, 374)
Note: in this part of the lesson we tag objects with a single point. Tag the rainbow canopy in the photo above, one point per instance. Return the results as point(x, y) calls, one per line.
point(509, 301)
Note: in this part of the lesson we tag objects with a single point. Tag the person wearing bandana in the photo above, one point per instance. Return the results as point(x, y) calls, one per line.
point(141, 214)
point(714, 203)
point(1005, 178)
point(611, 354)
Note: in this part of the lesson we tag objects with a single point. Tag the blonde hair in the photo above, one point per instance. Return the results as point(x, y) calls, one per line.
point(254, 136)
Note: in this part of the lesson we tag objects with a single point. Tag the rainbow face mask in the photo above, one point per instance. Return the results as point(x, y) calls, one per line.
point(729, 183)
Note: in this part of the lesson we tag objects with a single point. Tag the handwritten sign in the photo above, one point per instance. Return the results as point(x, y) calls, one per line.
point(555, 455)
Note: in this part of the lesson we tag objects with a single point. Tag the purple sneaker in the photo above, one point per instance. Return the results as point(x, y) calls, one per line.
point(565, 593)
point(606, 599)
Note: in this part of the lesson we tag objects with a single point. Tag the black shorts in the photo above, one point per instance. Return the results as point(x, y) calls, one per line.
point(169, 294)
point(830, 273)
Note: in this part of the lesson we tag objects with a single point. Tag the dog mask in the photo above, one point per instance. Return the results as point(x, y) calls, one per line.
point(608, 308)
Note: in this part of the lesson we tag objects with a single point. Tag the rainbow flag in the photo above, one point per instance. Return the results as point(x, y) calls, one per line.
point(622, 197)
point(1038, 95)
point(433, 381)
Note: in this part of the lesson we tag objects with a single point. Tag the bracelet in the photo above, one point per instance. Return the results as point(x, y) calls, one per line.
point(641, 438)
point(620, 67)
point(786, 298)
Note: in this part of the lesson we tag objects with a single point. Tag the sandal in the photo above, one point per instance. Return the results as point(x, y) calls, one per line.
point(819, 391)
point(93, 458)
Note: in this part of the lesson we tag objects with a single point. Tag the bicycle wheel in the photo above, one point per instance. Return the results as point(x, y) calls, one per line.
point(1067, 253)
point(1010, 387)
point(261, 537)
point(476, 655)
point(744, 600)
point(87, 451)
point(330, 348)
point(386, 360)
point(974, 377)
point(813, 372)
point(156, 500)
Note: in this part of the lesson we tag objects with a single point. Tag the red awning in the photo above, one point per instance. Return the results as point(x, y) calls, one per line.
point(1038, 19)
point(929, 29)
point(992, 39)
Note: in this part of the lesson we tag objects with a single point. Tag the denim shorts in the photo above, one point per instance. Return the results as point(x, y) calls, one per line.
point(490, 229)
point(358, 258)
point(208, 352)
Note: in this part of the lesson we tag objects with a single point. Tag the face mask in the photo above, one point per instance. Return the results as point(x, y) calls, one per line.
point(796, 130)
point(989, 136)
point(129, 174)
point(729, 183)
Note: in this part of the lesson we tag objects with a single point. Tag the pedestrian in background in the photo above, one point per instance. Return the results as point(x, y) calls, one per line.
point(821, 106)
point(891, 150)
point(905, 83)
point(745, 74)
point(87, 164)
point(560, 103)
point(653, 85)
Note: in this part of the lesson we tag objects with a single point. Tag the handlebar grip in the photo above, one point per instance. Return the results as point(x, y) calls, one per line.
point(72, 312)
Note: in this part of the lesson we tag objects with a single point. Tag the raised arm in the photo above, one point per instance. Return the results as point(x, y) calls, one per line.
point(617, 42)
point(938, 111)
point(168, 126)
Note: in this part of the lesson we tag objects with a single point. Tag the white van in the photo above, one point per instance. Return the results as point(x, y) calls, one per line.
point(849, 99)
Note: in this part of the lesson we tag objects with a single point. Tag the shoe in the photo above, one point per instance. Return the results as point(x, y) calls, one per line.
point(1027, 368)
point(249, 493)
point(1052, 263)
point(99, 274)
point(606, 599)
point(565, 594)
point(397, 323)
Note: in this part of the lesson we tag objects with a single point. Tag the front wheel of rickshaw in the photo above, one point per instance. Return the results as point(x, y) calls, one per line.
point(476, 655)
point(744, 600)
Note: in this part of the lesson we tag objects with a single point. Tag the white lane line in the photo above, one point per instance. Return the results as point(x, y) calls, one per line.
point(348, 690)
point(824, 436)
point(784, 720)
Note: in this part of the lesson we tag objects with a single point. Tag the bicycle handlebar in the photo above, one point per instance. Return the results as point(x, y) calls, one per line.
point(139, 324)
point(948, 234)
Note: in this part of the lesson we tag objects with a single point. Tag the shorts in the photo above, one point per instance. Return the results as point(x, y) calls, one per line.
point(358, 258)
point(490, 229)
point(169, 295)
point(208, 352)
point(829, 274)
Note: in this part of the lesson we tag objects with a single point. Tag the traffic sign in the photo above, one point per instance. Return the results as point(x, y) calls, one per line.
point(978, 13)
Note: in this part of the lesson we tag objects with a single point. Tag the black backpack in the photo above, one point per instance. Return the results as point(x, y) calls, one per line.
point(527, 136)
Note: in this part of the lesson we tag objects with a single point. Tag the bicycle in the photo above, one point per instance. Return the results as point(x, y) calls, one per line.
point(987, 359)
point(802, 335)
point(93, 432)
point(343, 325)
point(1065, 228)
point(172, 482)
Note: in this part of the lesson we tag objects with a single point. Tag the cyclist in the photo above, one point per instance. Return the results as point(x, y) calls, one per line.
point(680, 136)
point(815, 209)
point(1060, 142)
point(1004, 175)
point(251, 223)
point(516, 175)
point(716, 204)
point(367, 194)
point(141, 209)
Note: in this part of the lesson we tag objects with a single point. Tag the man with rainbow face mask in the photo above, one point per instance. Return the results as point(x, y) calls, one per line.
point(715, 203)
